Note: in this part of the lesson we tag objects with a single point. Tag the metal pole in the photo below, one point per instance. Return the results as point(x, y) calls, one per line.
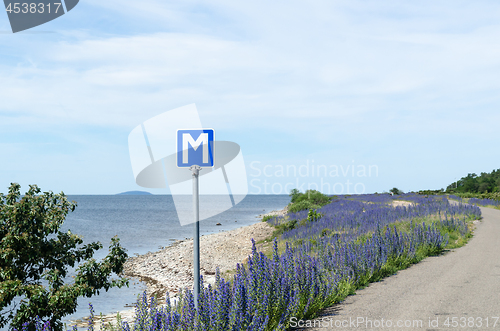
point(196, 239)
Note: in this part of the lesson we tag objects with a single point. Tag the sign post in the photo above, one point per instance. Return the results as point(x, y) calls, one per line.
point(196, 239)
point(195, 149)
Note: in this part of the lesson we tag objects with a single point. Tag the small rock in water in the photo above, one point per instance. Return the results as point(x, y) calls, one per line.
point(218, 224)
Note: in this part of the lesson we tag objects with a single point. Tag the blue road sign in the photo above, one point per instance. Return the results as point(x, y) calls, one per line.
point(195, 147)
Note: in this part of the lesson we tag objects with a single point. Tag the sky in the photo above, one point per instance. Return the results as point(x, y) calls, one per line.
point(376, 94)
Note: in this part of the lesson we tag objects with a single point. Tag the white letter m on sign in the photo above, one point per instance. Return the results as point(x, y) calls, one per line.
point(187, 140)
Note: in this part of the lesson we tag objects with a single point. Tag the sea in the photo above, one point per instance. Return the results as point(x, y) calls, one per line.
point(146, 223)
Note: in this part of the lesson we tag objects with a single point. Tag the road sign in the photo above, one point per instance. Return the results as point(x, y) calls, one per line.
point(195, 147)
point(153, 156)
point(157, 156)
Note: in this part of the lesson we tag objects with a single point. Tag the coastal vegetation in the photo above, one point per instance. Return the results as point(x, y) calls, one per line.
point(35, 257)
point(484, 186)
point(471, 199)
point(396, 191)
point(311, 199)
point(319, 255)
point(482, 190)
point(474, 184)
point(318, 258)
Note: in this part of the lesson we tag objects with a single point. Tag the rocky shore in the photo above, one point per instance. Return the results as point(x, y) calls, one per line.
point(281, 212)
point(171, 268)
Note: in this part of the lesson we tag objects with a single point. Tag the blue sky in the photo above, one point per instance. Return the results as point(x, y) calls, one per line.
point(408, 88)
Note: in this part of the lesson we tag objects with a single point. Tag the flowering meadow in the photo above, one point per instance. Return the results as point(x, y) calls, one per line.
point(317, 259)
point(483, 202)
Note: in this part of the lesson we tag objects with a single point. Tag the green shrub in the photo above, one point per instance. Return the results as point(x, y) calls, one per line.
point(268, 217)
point(302, 205)
point(311, 199)
point(315, 197)
point(325, 232)
point(396, 191)
point(287, 226)
point(294, 193)
point(492, 196)
point(33, 250)
point(313, 215)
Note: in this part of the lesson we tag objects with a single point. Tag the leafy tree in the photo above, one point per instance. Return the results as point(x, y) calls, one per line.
point(472, 183)
point(431, 192)
point(396, 191)
point(33, 251)
point(294, 194)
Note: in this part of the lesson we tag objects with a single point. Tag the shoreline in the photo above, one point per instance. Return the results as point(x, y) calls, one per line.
point(171, 268)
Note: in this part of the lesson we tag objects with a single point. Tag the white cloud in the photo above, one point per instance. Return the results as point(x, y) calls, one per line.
point(345, 71)
point(333, 64)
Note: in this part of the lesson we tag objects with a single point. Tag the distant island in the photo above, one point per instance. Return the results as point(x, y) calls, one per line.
point(135, 193)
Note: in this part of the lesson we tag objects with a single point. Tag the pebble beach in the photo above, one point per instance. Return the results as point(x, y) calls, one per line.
point(171, 268)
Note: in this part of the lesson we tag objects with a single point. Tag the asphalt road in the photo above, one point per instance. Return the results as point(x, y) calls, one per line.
point(461, 287)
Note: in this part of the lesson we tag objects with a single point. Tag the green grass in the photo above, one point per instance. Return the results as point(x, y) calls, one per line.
point(268, 218)
point(455, 238)
point(467, 195)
